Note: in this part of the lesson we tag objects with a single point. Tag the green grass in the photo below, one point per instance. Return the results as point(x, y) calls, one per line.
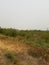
point(33, 37)
point(11, 57)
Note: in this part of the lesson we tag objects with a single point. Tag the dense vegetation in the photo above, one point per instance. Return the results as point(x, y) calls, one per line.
point(34, 37)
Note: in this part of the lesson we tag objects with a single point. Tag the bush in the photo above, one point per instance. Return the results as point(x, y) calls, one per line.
point(11, 56)
point(9, 32)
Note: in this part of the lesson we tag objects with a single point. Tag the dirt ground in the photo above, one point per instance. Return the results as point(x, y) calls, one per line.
point(20, 50)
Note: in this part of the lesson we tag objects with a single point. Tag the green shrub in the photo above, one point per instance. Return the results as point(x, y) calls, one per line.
point(9, 32)
point(11, 56)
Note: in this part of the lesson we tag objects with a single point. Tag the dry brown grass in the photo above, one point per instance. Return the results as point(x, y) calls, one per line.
point(24, 53)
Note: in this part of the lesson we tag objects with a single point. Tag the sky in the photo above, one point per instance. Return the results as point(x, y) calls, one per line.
point(24, 14)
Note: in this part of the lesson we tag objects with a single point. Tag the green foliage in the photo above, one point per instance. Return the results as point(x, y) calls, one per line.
point(11, 57)
point(9, 32)
point(34, 37)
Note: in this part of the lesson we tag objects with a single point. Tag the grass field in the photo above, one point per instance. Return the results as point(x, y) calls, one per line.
point(24, 47)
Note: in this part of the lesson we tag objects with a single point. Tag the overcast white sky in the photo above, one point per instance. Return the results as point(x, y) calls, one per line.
point(24, 14)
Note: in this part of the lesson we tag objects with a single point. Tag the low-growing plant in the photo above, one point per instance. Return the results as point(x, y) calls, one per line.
point(11, 56)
